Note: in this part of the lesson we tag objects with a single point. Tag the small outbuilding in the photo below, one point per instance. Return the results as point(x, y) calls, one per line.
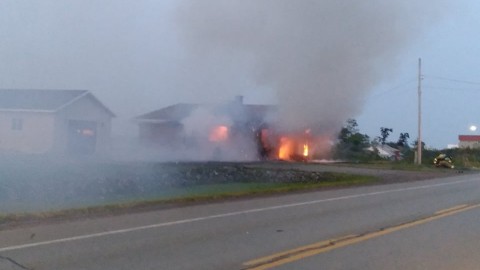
point(53, 121)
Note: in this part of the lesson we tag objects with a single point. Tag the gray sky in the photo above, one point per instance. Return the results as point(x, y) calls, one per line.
point(449, 52)
point(134, 56)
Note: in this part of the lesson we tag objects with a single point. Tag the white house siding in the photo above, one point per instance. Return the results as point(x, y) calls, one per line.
point(84, 109)
point(35, 136)
point(469, 144)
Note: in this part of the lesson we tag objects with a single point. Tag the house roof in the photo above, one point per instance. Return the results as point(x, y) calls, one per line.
point(385, 150)
point(469, 138)
point(260, 111)
point(42, 100)
point(180, 111)
point(175, 112)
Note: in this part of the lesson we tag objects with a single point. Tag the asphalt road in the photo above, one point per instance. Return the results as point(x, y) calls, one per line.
point(430, 224)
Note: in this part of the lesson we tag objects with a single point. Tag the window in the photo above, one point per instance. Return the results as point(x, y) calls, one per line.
point(17, 124)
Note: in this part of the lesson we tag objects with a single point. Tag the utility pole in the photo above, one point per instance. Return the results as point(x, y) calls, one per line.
point(419, 141)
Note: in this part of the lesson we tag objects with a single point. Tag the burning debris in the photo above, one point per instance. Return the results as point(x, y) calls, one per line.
point(288, 146)
point(295, 147)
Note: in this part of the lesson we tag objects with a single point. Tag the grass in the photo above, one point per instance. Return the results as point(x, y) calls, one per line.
point(192, 194)
point(390, 165)
point(241, 189)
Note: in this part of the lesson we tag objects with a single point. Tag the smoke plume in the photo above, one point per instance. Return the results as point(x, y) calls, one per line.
point(321, 57)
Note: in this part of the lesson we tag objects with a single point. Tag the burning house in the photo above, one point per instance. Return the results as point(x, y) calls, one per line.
point(217, 131)
point(230, 131)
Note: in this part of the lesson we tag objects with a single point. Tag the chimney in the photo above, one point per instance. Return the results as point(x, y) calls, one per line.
point(238, 100)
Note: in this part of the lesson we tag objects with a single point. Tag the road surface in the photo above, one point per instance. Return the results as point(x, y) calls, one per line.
point(430, 224)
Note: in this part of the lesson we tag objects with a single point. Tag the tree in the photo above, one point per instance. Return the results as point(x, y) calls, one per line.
point(348, 130)
point(415, 144)
point(384, 133)
point(351, 143)
point(350, 134)
point(403, 139)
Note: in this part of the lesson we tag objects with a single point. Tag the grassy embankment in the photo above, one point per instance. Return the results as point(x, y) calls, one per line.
point(196, 194)
point(73, 189)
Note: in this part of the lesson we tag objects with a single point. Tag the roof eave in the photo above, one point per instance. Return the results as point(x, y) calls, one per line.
point(87, 93)
point(154, 121)
point(27, 110)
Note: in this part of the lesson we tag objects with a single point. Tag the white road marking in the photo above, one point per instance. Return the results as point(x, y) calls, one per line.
point(255, 210)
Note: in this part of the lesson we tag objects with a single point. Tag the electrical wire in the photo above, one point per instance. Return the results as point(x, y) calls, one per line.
point(449, 88)
point(452, 80)
point(399, 86)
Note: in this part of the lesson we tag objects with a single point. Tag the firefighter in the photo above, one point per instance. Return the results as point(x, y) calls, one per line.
point(443, 160)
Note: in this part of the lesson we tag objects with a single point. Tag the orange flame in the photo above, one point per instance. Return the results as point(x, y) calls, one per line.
point(302, 146)
point(305, 150)
point(295, 146)
point(286, 148)
point(219, 134)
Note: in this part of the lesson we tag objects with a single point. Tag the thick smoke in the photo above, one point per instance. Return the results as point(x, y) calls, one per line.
point(206, 138)
point(321, 57)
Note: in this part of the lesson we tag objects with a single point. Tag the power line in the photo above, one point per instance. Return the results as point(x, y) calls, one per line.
point(453, 80)
point(451, 88)
point(399, 86)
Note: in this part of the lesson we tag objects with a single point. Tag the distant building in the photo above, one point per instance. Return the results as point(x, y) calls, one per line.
point(469, 141)
point(452, 146)
point(386, 151)
point(53, 121)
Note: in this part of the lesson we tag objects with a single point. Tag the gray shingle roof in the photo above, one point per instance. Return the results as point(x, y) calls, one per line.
point(41, 100)
point(178, 112)
point(37, 100)
point(175, 112)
